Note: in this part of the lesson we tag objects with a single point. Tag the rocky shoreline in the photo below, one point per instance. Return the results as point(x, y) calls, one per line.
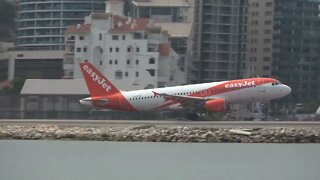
point(162, 134)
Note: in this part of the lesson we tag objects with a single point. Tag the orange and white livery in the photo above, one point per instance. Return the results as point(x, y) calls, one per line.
point(214, 96)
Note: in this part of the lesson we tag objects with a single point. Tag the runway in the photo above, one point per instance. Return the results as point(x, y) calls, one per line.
point(130, 123)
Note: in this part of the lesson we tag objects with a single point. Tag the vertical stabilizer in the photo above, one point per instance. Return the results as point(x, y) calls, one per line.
point(318, 111)
point(97, 84)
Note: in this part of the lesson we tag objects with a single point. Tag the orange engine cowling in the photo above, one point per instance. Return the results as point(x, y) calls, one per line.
point(216, 105)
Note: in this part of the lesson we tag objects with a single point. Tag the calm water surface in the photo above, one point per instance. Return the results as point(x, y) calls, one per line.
point(59, 160)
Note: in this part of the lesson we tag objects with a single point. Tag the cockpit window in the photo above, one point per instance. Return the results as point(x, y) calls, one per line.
point(276, 83)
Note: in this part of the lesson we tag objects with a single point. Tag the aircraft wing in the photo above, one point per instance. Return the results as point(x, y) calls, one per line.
point(184, 100)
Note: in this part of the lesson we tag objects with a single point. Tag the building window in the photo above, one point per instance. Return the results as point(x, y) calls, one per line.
point(137, 61)
point(268, 22)
point(267, 31)
point(266, 59)
point(254, 41)
point(137, 74)
point(115, 61)
point(268, 13)
point(128, 62)
point(126, 74)
point(137, 49)
point(84, 49)
point(115, 37)
point(71, 38)
point(100, 37)
point(110, 49)
point(100, 63)
point(78, 49)
point(152, 61)
point(152, 72)
point(123, 37)
point(81, 37)
point(118, 75)
point(268, 4)
point(255, 31)
point(117, 49)
point(110, 62)
point(267, 50)
point(266, 68)
point(255, 13)
point(267, 41)
point(129, 49)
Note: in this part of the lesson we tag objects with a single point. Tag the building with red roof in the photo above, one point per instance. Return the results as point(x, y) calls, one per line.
point(134, 53)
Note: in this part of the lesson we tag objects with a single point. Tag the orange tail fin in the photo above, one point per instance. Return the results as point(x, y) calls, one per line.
point(97, 84)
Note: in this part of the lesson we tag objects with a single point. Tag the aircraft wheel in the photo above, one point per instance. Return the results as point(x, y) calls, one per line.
point(192, 116)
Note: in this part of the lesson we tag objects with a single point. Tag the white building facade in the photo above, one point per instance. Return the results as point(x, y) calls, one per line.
point(132, 53)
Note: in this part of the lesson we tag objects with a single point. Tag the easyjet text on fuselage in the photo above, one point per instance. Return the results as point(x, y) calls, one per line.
point(240, 84)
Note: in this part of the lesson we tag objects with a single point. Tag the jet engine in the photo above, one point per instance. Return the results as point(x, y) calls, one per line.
point(216, 105)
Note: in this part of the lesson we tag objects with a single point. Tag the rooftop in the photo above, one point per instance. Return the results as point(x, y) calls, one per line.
point(129, 24)
point(160, 3)
point(176, 29)
point(55, 87)
point(80, 28)
point(67, 86)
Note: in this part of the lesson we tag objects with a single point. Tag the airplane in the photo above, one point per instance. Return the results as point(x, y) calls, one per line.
point(212, 97)
point(308, 117)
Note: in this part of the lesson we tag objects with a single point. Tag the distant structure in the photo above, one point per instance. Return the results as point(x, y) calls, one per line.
point(176, 17)
point(5, 73)
point(40, 46)
point(283, 42)
point(161, 10)
point(41, 23)
point(219, 40)
point(132, 52)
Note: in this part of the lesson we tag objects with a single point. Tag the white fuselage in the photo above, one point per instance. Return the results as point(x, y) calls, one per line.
point(144, 100)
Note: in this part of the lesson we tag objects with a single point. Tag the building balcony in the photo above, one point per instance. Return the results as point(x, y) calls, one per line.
point(69, 56)
point(68, 66)
point(35, 27)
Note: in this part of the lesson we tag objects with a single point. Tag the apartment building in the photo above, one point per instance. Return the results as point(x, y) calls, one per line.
point(161, 10)
point(174, 16)
point(42, 23)
point(283, 42)
point(40, 43)
point(132, 52)
point(218, 40)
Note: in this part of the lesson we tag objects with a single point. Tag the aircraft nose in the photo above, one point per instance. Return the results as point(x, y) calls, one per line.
point(287, 90)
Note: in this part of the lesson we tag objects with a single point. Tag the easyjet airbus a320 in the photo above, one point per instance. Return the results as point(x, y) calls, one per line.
point(213, 97)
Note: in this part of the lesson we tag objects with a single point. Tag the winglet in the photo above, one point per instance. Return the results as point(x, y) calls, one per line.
point(97, 84)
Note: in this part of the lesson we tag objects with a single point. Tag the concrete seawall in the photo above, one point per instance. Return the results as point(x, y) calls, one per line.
point(149, 133)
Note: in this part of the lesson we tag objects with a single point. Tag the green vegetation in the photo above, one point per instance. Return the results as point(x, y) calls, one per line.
point(17, 85)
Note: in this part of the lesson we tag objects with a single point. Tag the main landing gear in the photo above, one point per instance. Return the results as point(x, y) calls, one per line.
point(197, 115)
point(192, 116)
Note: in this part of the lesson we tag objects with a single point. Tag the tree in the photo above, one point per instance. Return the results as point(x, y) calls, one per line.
point(16, 88)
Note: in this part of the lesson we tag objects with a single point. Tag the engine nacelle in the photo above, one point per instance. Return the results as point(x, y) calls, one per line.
point(216, 105)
